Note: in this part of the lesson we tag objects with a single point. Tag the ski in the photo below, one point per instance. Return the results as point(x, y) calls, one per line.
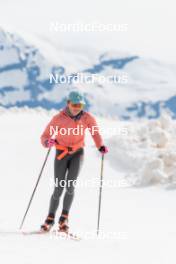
point(57, 233)
point(35, 232)
point(19, 232)
point(53, 232)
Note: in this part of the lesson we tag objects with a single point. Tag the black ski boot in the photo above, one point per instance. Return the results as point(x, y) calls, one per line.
point(49, 222)
point(63, 223)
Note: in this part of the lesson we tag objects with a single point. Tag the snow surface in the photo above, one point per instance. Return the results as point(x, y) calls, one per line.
point(142, 218)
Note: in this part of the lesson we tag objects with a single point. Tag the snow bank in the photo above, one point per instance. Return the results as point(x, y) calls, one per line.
point(147, 155)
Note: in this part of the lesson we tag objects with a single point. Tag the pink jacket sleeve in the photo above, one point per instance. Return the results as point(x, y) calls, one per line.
point(46, 134)
point(94, 130)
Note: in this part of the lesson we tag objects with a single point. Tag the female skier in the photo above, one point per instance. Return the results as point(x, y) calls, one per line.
point(69, 146)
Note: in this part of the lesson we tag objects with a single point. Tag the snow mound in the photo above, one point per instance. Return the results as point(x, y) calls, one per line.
point(147, 155)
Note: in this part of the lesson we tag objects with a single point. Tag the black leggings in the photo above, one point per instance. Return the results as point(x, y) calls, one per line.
point(66, 172)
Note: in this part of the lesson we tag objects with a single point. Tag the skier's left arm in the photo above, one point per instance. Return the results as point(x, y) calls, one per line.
point(95, 133)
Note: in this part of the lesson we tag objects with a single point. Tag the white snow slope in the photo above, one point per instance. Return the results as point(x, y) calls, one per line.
point(143, 219)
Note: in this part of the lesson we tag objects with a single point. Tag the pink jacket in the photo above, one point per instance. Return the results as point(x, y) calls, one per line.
point(71, 132)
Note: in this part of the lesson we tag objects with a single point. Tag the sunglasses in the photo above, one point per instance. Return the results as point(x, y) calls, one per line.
point(78, 106)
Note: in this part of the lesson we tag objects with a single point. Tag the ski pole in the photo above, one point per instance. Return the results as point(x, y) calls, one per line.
point(100, 193)
point(40, 174)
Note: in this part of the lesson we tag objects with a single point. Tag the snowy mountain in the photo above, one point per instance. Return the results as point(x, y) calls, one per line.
point(145, 87)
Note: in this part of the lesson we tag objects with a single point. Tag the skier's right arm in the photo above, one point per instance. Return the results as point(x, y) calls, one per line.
point(48, 134)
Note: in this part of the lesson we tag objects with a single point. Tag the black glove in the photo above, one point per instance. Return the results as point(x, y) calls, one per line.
point(103, 149)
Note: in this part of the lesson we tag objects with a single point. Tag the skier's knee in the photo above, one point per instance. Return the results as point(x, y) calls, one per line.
point(57, 193)
point(70, 190)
